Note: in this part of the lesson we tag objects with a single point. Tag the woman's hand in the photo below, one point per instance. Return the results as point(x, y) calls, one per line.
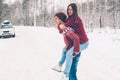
point(62, 26)
point(75, 53)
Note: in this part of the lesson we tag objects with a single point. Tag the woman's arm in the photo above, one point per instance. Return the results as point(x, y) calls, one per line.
point(68, 23)
point(76, 41)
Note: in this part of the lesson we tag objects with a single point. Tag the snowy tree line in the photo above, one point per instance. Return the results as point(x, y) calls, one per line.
point(101, 13)
point(95, 13)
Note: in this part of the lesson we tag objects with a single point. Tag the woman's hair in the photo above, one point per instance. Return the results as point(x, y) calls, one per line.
point(61, 16)
point(75, 13)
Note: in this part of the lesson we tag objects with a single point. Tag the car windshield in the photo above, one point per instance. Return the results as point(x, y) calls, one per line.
point(6, 22)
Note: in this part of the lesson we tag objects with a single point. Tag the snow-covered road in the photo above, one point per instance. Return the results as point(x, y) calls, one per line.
point(34, 50)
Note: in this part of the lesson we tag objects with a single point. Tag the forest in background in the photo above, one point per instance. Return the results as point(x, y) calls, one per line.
point(94, 13)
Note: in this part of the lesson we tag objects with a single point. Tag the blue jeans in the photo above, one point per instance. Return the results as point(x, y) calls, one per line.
point(73, 70)
point(69, 57)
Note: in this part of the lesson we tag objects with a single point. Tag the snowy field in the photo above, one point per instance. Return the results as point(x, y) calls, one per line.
point(34, 50)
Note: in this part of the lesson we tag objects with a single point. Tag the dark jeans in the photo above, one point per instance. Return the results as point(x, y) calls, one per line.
point(73, 70)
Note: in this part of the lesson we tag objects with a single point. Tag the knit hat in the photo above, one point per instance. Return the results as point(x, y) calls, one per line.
point(61, 16)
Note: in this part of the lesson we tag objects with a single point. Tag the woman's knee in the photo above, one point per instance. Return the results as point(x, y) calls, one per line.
point(70, 52)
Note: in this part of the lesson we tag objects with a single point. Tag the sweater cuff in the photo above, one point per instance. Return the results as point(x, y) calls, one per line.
point(76, 52)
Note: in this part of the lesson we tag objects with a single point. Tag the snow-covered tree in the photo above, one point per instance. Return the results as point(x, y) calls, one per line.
point(94, 13)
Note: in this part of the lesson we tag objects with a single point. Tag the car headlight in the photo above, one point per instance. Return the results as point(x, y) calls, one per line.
point(12, 31)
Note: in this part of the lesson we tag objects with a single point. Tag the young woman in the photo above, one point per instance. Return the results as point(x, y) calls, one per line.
point(70, 39)
point(74, 22)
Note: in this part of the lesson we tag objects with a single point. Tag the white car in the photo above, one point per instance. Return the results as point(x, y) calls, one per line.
point(7, 29)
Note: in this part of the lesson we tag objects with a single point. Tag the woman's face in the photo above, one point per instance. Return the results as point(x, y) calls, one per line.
point(57, 20)
point(70, 11)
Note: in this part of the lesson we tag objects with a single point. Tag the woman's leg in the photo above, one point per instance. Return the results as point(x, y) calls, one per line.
point(58, 67)
point(62, 59)
point(69, 59)
point(73, 70)
point(84, 46)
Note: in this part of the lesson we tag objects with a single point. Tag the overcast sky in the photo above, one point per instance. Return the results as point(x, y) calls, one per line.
point(11, 1)
point(56, 1)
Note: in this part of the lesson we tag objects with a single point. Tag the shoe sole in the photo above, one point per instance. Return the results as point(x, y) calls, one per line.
point(55, 70)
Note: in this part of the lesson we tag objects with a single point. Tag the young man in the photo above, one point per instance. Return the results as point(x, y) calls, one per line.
point(71, 40)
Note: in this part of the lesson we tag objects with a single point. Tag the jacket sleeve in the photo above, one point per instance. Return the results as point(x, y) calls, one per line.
point(75, 39)
point(69, 22)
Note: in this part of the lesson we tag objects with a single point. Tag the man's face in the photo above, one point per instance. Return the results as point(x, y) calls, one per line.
point(57, 20)
point(70, 11)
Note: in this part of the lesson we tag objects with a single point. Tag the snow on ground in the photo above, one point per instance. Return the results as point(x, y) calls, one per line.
point(34, 50)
